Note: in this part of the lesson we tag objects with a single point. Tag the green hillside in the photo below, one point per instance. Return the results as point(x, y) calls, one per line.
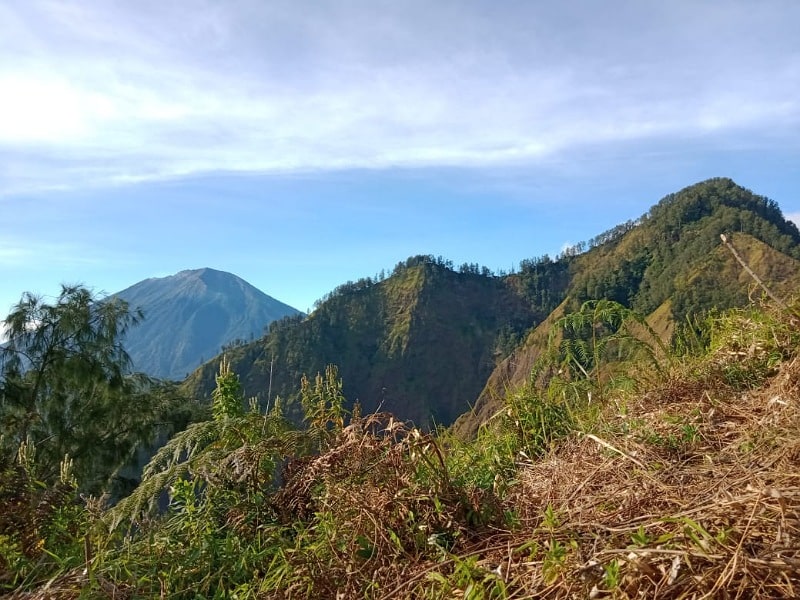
point(424, 342)
point(644, 263)
point(677, 481)
point(635, 436)
point(418, 343)
point(669, 264)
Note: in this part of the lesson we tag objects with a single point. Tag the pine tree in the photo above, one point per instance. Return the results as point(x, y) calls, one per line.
point(66, 385)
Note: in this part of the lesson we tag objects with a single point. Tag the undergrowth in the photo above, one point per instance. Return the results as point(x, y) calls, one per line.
point(623, 469)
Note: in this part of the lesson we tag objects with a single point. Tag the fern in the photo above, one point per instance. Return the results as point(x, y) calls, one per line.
point(231, 445)
point(589, 340)
point(212, 451)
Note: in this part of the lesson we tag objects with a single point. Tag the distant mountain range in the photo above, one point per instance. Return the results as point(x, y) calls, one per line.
point(431, 342)
point(191, 315)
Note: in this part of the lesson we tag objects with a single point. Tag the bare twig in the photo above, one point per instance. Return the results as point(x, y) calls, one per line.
point(755, 277)
point(615, 449)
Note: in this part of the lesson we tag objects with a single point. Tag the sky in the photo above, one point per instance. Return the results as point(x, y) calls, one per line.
point(302, 144)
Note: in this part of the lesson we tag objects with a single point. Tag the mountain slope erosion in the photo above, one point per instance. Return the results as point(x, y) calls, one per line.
point(191, 315)
point(668, 264)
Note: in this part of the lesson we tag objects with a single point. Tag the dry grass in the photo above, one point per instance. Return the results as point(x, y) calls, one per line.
point(693, 493)
point(383, 496)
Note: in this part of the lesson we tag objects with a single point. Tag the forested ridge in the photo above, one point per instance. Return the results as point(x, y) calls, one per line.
point(424, 332)
point(639, 438)
point(423, 339)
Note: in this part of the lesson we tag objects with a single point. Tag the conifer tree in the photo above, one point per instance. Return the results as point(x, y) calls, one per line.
point(66, 385)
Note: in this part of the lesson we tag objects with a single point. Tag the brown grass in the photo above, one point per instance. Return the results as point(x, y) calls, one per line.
point(694, 493)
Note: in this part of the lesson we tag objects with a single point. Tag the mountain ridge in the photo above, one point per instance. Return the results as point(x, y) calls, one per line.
point(416, 328)
point(381, 336)
point(690, 273)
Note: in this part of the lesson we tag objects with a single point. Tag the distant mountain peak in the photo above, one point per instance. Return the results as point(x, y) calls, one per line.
point(190, 315)
point(205, 271)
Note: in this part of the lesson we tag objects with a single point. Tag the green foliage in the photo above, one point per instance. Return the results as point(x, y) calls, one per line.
point(424, 340)
point(543, 283)
point(669, 254)
point(323, 403)
point(669, 264)
point(686, 226)
point(537, 420)
point(42, 526)
point(468, 580)
point(226, 399)
point(65, 386)
point(371, 507)
point(554, 562)
point(393, 341)
point(353, 497)
point(235, 449)
point(612, 575)
point(692, 336)
point(588, 350)
point(486, 463)
point(590, 353)
point(640, 537)
point(747, 345)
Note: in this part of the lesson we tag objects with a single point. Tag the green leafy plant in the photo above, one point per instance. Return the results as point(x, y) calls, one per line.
point(43, 527)
point(227, 396)
point(235, 449)
point(550, 519)
point(555, 557)
point(537, 420)
point(640, 537)
point(612, 575)
point(748, 344)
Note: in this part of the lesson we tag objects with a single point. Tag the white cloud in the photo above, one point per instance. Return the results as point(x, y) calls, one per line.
point(795, 217)
point(22, 255)
point(139, 90)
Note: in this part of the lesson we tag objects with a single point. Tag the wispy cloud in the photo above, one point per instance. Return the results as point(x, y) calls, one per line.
point(96, 91)
point(27, 254)
point(795, 217)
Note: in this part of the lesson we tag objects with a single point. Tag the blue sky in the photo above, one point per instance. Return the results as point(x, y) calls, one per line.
point(303, 144)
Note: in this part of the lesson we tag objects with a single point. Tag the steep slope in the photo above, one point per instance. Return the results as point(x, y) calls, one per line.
point(419, 344)
point(191, 315)
point(649, 261)
point(510, 373)
point(424, 342)
point(668, 264)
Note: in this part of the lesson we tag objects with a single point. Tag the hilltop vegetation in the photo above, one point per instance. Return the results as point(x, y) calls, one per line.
point(424, 341)
point(664, 255)
point(415, 343)
point(669, 265)
point(639, 443)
